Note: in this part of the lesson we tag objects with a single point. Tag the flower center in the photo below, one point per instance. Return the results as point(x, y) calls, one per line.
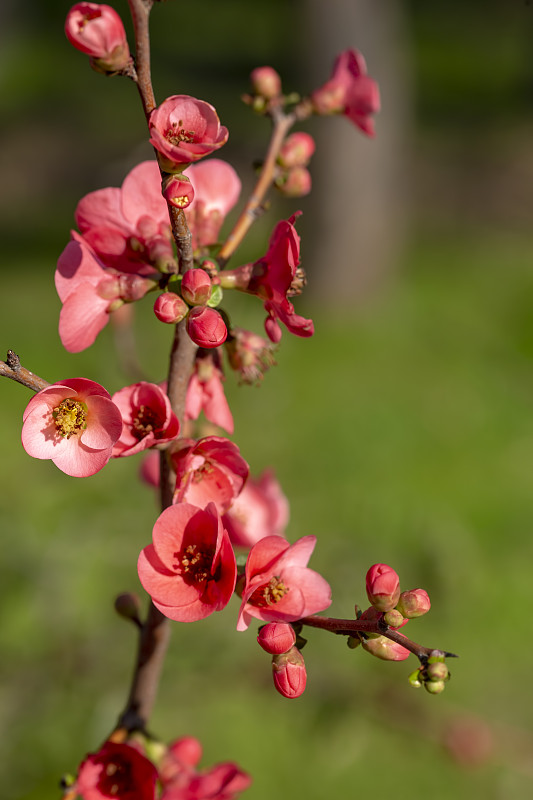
point(144, 422)
point(70, 417)
point(115, 777)
point(270, 593)
point(176, 134)
point(194, 563)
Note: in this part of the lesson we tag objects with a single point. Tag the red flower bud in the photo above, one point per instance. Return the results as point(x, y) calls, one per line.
point(178, 191)
point(276, 637)
point(196, 287)
point(414, 603)
point(295, 183)
point(296, 150)
point(265, 82)
point(97, 31)
point(382, 587)
point(206, 327)
point(288, 671)
point(170, 308)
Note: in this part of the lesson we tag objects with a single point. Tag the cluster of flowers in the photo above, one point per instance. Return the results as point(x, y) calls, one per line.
point(125, 771)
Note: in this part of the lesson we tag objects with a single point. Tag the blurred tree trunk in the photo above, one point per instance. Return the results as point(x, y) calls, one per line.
point(360, 202)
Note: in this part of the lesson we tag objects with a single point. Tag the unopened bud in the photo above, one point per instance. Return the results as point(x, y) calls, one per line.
point(170, 308)
point(295, 183)
point(296, 150)
point(393, 618)
point(382, 587)
point(414, 603)
point(434, 687)
point(276, 637)
point(97, 30)
point(384, 648)
point(288, 671)
point(196, 287)
point(127, 605)
point(178, 191)
point(206, 327)
point(265, 82)
point(414, 679)
point(437, 672)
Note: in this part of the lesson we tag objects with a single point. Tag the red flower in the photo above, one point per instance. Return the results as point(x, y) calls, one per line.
point(189, 571)
point(74, 423)
point(181, 780)
point(205, 392)
point(279, 587)
point(116, 771)
point(349, 91)
point(147, 418)
point(184, 129)
point(209, 470)
point(216, 190)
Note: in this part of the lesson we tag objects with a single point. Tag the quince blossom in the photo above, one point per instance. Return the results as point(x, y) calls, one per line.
point(184, 129)
point(279, 587)
point(116, 770)
point(216, 190)
point(349, 91)
point(205, 392)
point(210, 470)
point(182, 781)
point(147, 418)
point(260, 510)
point(74, 423)
point(190, 570)
point(97, 31)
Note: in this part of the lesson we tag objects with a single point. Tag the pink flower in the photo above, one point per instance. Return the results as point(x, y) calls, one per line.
point(296, 150)
point(210, 470)
point(147, 418)
point(129, 228)
point(184, 129)
point(349, 91)
point(181, 781)
point(382, 587)
point(189, 571)
point(205, 392)
point(276, 637)
point(279, 587)
point(74, 423)
point(206, 327)
point(288, 672)
point(274, 278)
point(170, 308)
point(260, 510)
point(116, 770)
point(97, 30)
point(216, 190)
point(89, 293)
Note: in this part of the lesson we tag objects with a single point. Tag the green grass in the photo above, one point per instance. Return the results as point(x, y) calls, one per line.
point(403, 433)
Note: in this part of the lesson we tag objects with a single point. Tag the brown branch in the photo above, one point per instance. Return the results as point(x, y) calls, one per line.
point(281, 125)
point(140, 14)
point(12, 368)
point(351, 627)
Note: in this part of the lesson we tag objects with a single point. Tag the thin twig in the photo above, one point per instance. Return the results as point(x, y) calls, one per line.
point(12, 368)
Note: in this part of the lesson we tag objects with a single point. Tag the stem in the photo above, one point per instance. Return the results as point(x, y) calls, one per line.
point(12, 368)
point(140, 14)
point(351, 627)
point(282, 124)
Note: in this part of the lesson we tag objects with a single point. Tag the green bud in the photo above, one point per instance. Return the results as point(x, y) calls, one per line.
point(434, 687)
point(393, 618)
point(437, 672)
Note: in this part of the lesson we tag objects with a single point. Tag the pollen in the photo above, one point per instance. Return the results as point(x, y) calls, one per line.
point(144, 422)
point(70, 417)
point(195, 563)
point(269, 593)
point(176, 134)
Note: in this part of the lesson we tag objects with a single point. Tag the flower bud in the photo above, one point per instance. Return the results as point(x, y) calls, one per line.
point(206, 327)
point(170, 308)
point(437, 672)
point(296, 150)
point(382, 587)
point(288, 671)
point(128, 605)
point(134, 287)
point(249, 354)
point(295, 183)
point(196, 287)
point(394, 619)
point(97, 31)
point(384, 648)
point(178, 191)
point(265, 82)
point(414, 603)
point(435, 687)
point(276, 637)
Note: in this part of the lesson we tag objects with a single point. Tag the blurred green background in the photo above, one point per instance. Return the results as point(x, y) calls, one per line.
point(401, 432)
